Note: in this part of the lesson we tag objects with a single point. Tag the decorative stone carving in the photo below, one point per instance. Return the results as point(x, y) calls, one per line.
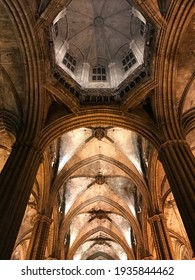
point(100, 179)
point(100, 214)
point(99, 133)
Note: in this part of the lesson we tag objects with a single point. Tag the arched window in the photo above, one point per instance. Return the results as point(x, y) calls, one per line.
point(142, 28)
point(55, 30)
point(128, 61)
point(99, 73)
point(70, 61)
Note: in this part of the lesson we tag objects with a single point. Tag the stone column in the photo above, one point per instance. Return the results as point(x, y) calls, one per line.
point(16, 182)
point(38, 241)
point(161, 237)
point(84, 79)
point(179, 165)
point(114, 75)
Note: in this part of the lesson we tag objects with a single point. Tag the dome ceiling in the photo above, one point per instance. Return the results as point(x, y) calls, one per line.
point(99, 29)
point(99, 47)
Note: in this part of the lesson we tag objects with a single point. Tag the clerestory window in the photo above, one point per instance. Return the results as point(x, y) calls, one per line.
point(142, 28)
point(56, 29)
point(128, 61)
point(70, 61)
point(99, 73)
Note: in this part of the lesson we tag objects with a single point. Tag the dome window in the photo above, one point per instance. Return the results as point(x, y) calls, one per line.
point(142, 28)
point(128, 61)
point(56, 29)
point(70, 61)
point(99, 73)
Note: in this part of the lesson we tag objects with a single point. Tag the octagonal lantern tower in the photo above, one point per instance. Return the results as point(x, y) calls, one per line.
point(101, 48)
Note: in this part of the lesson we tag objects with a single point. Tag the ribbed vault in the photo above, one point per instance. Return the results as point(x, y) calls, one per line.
point(102, 194)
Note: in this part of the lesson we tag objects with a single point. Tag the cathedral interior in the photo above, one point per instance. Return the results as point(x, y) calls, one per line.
point(97, 129)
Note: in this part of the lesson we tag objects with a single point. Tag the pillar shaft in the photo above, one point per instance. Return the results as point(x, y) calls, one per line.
point(38, 242)
point(179, 165)
point(16, 182)
point(161, 237)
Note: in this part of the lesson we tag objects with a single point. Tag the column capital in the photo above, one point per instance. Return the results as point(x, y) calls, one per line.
point(9, 122)
point(172, 142)
point(43, 218)
point(156, 217)
point(161, 236)
point(30, 146)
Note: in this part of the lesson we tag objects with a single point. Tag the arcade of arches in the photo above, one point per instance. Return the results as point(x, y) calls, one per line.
point(97, 129)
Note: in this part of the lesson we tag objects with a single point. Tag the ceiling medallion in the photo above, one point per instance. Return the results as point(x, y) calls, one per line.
point(99, 133)
point(100, 214)
point(100, 179)
point(98, 21)
point(101, 241)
